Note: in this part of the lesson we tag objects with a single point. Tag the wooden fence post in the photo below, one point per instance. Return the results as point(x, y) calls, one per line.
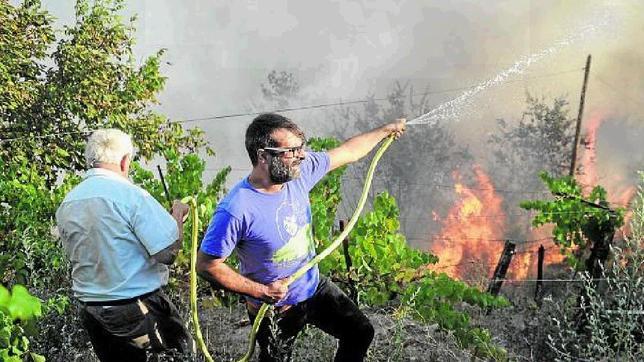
point(501, 268)
point(539, 289)
point(353, 292)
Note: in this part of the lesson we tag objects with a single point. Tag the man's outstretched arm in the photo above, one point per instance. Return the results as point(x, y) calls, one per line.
point(359, 146)
point(223, 276)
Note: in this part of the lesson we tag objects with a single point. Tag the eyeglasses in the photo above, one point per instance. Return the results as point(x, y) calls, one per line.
point(287, 152)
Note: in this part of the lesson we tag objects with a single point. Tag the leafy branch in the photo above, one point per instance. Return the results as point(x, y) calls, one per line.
point(579, 221)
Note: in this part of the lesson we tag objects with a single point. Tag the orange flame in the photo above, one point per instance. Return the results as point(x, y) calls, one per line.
point(472, 237)
point(471, 240)
point(466, 245)
point(620, 192)
point(588, 175)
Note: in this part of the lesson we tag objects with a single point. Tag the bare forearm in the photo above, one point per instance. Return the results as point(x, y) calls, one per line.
point(169, 254)
point(227, 278)
point(359, 146)
point(178, 218)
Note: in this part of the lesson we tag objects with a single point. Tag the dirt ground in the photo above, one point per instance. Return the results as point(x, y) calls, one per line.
point(226, 331)
point(521, 329)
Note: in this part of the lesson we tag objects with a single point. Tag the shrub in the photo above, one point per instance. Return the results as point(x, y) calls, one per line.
point(612, 310)
point(18, 310)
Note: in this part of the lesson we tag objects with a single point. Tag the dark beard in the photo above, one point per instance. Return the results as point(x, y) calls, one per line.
point(280, 172)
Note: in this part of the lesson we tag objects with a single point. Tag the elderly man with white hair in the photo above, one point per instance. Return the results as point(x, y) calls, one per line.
point(120, 241)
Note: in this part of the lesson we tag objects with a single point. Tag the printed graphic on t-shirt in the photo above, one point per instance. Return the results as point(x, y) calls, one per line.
point(293, 226)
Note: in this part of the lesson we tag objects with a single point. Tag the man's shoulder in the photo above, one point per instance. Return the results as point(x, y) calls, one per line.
point(114, 190)
point(315, 166)
point(317, 156)
point(238, 200)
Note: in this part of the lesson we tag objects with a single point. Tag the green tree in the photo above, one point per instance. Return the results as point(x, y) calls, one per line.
point(580, 222)
point(541, 140)
point(54, 91)
point(56, 86)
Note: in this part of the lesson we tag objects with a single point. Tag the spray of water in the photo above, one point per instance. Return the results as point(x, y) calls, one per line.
point(450, 110)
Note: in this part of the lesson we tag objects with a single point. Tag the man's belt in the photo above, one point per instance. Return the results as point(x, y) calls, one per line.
point(119, 301)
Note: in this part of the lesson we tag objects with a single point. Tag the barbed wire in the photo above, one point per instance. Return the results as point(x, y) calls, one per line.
point(505, 215)
point(615, 89)
point(517, 240)
point(439, 185)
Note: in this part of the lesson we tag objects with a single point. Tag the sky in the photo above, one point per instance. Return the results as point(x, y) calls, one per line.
point(218, 54)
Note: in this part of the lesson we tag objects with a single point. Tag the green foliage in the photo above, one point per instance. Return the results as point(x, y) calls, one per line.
point(577, 220)
point(383, 262)
point(56, 85)
point(86, 79)
point(184, 177)
point(386, 269)
point(29, 251)
point(613, 309)
point(18, 310)
point(327, 194)
point(436, 299)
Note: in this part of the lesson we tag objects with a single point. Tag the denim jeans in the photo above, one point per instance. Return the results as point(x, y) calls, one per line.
point(123, 331)
point(328, 309)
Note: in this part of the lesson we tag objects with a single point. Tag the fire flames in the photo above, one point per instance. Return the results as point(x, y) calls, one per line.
point(471, 240)
point(472, 237)
point(467, 244)
point(620, 192)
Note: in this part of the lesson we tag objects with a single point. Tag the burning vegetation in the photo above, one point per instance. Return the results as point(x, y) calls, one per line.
point(473, 231)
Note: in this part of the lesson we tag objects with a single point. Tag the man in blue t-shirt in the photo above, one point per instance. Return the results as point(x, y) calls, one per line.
point(266, 218)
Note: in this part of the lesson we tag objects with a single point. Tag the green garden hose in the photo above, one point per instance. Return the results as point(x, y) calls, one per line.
point(193, 276)
point(264, 308)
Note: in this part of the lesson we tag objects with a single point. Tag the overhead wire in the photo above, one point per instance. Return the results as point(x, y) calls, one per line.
point(306, 107)
point(615, 89)
point(341, 103)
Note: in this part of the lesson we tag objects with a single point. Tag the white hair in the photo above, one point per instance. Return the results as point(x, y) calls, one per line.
point(107, 146)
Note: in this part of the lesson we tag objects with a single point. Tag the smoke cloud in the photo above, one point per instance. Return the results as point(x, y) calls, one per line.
point(218, 54)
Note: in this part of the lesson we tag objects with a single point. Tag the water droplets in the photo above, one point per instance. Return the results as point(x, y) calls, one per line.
point(451, 110)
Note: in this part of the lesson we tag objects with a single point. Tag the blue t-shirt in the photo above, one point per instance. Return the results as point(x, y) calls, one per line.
point(271, 232)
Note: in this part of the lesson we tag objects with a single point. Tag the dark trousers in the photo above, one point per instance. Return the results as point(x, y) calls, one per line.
point(123, 332)
point(328, 309)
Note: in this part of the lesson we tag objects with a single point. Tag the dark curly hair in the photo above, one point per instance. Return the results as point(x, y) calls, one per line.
point(258, 133)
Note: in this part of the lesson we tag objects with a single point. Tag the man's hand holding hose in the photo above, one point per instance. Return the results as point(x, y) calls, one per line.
point(275, 291)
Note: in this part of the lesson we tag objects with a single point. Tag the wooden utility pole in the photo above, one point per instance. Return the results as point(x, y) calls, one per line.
point(539, 289)
point(501, 268)
point(573, 161)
